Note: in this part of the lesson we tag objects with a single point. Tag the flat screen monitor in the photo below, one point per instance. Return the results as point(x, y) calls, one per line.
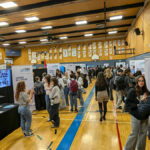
point(5, 78)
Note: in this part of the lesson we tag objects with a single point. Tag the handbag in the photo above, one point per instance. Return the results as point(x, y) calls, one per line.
point(102, 96)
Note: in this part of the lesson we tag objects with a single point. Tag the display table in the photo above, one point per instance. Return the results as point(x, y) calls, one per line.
point(9, 119)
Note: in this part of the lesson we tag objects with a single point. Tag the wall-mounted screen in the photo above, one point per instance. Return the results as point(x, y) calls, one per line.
point(5, 78)
point(12, 52)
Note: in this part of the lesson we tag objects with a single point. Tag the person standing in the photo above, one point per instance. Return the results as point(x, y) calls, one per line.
point(48, 89)
point(80, 86)
point(55, 101)
point(137, 138)
point(24, 98)
point(73, 89)
point(101, 95)
point(66, 88)
point(39, 94)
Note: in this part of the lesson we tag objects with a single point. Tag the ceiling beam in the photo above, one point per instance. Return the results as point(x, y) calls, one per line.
point(90, 12)
point(68, 26)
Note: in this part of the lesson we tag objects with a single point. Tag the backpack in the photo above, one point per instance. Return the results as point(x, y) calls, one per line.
point(85, 83)
point(73, 86)
point(120, 83)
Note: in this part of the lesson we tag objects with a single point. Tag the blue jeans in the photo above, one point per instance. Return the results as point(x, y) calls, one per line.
point(25, 117)
point(48, 105)
point(73, 100)
point(66, 91)
point(80, 97)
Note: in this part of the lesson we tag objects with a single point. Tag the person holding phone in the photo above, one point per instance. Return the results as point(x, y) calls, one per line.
point(24, 98)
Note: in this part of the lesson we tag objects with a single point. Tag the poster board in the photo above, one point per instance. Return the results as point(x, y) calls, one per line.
point(147, 71)
point(23, 73)
point(51, 69)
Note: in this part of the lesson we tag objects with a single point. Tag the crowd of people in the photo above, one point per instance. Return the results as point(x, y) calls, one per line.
point(64, 90)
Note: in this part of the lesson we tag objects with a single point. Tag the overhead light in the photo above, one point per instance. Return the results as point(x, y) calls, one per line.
point(31, 19)
point(6, 44)
point(46, 27)
point(112, 32)
point(44, 40)
point(116, 17)
point(20, 31)
point(63, 38)
point(81, 22)
point(90, 34)
point(8, 5)
point(2, 24)
point(22, 42)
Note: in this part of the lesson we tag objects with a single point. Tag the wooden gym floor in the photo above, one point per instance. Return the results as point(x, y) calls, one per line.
point(77, 131)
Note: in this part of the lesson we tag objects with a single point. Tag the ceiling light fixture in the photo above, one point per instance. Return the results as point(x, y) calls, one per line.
point(63, 38)
point(46, 27)
point(44, 40)
point(116, 17)
point(112, 32)
point(20, 31)
point(89, 34)
point(31, 19)
point(81, 22)
point(2, 24)
point(23, 42)
point(6, 44)
point(8, 5)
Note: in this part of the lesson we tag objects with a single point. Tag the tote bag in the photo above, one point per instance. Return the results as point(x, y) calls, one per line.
point(102, 96)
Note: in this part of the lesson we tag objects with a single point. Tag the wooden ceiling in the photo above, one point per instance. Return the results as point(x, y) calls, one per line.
point(62, 15)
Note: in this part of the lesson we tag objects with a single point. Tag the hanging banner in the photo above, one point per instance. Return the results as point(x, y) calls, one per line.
point(51, 69)
point(3, 66)
point(24, 73)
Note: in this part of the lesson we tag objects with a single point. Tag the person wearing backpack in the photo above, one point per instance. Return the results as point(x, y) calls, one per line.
point(73, 89)
point(120, 87)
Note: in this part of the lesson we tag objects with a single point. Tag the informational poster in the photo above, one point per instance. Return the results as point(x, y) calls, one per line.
point(123, 42)
point(147, 72)
point(65, 53)
point(94, 45)
point(94, 51)
point(24, 73)
point(29, 51)
point(110, 43)
point(8, 61)
point(30, 57)
point(106, 52)
point(51, 69)
point(33, 55)
point(78, 46)
point(106, 64)
point(69, 67)
point(114, 43)
point(138, 64)
point(100, 45)
point(84, 47)
point(60, 56)
point(110, 51)
point(106, 44)
point(42, 55)
point(90, 53)
point(120, 63)
point(74, 52)
point(84, 54)
point(3, 66)
point(100, 52)
point(60, 49)
point(119, 43)
point(89, 46)
point(0, 55)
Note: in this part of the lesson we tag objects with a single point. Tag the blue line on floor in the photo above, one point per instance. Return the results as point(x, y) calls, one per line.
point(67, 140)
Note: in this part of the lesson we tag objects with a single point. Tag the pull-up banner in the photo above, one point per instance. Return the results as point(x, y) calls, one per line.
point(23, 73)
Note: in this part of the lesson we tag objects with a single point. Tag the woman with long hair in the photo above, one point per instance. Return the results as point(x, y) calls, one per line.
point(48, 89)
point(101, 87)
point(55, 101)
point(24, 98)
point(138, 105)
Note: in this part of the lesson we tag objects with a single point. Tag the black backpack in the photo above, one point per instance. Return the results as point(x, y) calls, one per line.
point(85, 83)
point(120, 83)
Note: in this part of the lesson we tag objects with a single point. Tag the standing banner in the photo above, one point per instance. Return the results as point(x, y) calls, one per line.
point(23, 73)
point(51, 69)
point(147, 72)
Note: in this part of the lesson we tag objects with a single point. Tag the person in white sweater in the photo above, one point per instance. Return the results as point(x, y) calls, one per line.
point(80, 86)
point(55, 101)
point(62, 86)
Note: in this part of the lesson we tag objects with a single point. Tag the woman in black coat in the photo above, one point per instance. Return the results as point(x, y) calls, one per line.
point(101, 85)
